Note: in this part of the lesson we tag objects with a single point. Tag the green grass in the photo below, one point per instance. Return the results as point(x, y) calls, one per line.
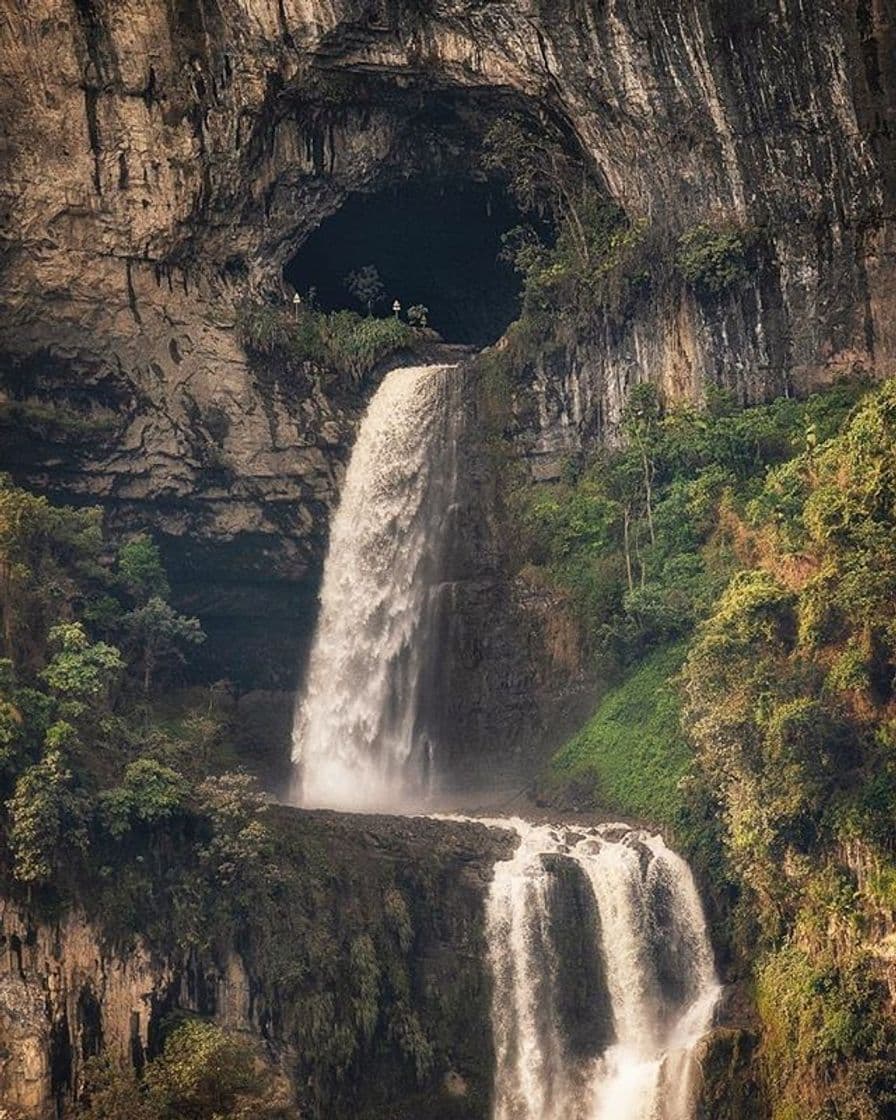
point(631, 754)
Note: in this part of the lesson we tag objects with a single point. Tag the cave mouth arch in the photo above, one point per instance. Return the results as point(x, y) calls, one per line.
point(435, 242)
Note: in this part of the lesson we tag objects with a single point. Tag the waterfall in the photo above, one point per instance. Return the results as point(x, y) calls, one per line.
point(359, 739)
point(603, 976)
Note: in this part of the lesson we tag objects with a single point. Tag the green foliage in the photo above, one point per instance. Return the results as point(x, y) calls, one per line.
point(597, 260)
point(49, 565)
point(713, 258)
point(141, 571)
point(203, 1073)
point(158, 634)
point(47, 817)
point(816, 1017)
point(789, 685)
point(634, 539)
point(343, 341)
point(355, 345)
point(418, 316)
point(148, 794)
point(273, 332)
point(762, 542)
point(239, 839)
point(80, 669)
point(113, 1093)
point(366, 286)
point(631, 755)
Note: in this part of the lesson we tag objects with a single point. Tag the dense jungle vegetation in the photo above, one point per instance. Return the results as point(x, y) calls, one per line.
point(124, 795)
point(736, 572)
point(733, 574)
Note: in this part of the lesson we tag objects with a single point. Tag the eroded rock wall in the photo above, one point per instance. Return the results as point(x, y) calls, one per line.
point(161, 162)
point(396, 905)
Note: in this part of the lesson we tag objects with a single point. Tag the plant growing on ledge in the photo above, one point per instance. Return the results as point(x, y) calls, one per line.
point(366, 286)
point(344, 341)
point(599, 258)
point(155, 631)
point(713, 258)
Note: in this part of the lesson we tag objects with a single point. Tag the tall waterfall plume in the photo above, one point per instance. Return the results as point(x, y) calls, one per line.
point(359, 740)
point(603, 976)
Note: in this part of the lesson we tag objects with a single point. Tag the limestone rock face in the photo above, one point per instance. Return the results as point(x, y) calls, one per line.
point(161, 162)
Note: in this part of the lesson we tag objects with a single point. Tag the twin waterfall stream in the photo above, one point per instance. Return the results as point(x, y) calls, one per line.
point(603, 977)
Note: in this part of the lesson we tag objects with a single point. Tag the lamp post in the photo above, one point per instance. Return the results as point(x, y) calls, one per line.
point(296, 300)
point(396, 307)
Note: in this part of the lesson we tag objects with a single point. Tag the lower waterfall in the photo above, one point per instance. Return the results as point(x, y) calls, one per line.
point(358, 742)
point(603, 976)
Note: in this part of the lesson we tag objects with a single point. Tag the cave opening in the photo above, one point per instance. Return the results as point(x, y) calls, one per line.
point(433, 242)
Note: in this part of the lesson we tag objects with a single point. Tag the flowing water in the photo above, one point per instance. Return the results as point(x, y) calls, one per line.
point(603, 973)
point(610, 1033)
point(358, 740)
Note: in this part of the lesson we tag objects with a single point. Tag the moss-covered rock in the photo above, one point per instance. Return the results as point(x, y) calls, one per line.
point(729, 1088)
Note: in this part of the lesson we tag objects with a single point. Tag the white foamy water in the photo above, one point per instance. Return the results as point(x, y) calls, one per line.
point(603, 973)
point(357, 737)
point(654, 957)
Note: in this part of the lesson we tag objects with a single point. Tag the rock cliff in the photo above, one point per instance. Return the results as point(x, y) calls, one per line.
point(163, 162)
point(395, 905)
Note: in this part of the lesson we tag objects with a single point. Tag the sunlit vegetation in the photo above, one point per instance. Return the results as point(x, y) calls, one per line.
point(631, 756)
point(203, 1072)
point(763, 543)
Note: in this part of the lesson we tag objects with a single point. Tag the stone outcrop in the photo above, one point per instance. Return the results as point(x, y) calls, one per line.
point(412, 891)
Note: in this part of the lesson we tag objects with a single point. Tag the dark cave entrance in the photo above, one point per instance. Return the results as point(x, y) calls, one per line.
point(435, 243)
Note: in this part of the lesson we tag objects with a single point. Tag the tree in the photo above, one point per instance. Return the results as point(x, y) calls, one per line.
point(45, 809)
point(140, 569)
point(49, 557)
point(418, 316)
point(640, 422)
point(80, 670)
point(366, 286)
point(239, 849)
point(203, 1073)
point(158, 634)
point(150, 792)
point(541, 175)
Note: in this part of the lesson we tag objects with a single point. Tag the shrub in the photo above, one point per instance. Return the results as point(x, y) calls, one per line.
point(343, 341)
point(80, 669)
point(354, 345)
point(203, 1073)
point(713, 258)
point(150, 792)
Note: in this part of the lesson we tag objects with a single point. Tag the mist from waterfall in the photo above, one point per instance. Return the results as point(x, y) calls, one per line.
point(603, 976)
point(359, 742)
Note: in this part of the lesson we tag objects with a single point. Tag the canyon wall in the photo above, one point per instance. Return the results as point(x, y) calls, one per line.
point(161, 163)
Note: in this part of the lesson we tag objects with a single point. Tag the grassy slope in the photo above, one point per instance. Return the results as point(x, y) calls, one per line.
point(631, 754)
